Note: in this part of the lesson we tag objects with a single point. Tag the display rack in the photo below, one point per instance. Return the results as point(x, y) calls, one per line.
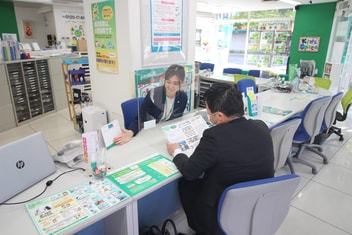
point(77, 86)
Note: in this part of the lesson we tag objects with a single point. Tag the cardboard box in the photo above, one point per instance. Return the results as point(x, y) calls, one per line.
point(82, 45)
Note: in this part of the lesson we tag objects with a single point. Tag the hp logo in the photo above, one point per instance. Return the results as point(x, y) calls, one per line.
point(20, 164)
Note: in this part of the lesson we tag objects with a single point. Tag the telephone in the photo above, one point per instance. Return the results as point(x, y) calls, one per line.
point(70, 154)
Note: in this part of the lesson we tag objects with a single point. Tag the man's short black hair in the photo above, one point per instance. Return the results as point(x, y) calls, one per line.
point(225, 98)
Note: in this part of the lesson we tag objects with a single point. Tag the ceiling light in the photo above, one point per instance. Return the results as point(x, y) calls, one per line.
point(291, 2)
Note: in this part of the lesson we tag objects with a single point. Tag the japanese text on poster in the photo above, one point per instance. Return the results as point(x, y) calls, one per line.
point(166, 25)
point(104, 28)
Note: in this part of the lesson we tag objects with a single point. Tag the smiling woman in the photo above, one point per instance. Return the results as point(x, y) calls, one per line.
point(161, 104)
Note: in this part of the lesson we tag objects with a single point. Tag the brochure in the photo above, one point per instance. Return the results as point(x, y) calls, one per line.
point(59, 212)
point(142, 175)
point(109, 132)
point(186, 133)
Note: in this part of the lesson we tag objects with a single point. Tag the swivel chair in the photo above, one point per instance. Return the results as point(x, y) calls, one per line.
point(329, 119)
point(204, 66)
point(282, 136)
point(244, 83)
point(130, 110)
point(346, 102)
point(307, 68)
point(312, 120)
point(232, 70)
point(324, 83)
point(254, 72)
point(256, 207)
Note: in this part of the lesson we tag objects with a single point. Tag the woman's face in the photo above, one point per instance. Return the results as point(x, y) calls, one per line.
point(172, 85)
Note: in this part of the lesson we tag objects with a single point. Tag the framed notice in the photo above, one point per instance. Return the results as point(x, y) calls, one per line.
point(162, 32)
point(309, 44)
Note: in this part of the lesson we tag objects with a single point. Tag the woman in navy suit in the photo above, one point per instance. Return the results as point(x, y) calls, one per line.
point(235, 150)
point(161, 103)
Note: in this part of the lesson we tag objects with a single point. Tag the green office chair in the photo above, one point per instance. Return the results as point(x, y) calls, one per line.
point(324, 83)
point(346, 102)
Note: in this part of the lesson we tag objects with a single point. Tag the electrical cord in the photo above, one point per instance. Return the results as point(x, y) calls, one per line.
point(47, 184)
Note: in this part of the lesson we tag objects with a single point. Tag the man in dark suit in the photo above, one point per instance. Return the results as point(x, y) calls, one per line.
point(234, 150)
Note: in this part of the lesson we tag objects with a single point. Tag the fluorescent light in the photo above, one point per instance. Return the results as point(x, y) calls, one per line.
point(291, 2)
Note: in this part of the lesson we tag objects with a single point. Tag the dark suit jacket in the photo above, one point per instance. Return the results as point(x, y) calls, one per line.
point(153, 107)
point(238, 151)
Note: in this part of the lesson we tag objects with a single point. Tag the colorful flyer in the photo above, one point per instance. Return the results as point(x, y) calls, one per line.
point(58, 212)
point(143, 175)
point(104, 31)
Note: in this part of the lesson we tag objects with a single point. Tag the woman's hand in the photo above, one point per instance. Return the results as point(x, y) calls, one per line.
point(171, 147)
point(125, 137)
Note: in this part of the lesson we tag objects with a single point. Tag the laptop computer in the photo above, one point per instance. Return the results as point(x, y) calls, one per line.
point(23, 163)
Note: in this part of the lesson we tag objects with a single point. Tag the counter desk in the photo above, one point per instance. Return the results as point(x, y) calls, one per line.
point(154, 204)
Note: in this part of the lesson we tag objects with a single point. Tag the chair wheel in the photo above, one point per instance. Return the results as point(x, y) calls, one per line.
point(314, 171)
point(325, 161)
point(341, 138)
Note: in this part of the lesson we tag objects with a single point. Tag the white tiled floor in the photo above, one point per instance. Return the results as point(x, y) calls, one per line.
point(322, 204)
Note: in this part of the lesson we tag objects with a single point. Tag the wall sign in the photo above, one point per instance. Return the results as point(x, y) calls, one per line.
point(309, 44)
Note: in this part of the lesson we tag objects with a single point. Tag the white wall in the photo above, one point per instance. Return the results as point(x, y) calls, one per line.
point(66, 18)
point(109, 90)
point(37, 24)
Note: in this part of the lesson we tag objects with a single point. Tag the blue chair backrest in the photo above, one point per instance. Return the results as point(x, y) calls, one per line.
point(254, 72)
point(130, 110)
point(204, 66)
point(312, 120)
point(232, 70)
point(256, 207)
point(244, 83)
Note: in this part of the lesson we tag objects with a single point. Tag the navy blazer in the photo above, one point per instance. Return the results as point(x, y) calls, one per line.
point(153, 107)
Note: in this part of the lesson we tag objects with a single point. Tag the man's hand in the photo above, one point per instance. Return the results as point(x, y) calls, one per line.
point(171, 147)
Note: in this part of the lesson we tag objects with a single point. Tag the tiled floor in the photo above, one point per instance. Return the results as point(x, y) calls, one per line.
point(322, 204)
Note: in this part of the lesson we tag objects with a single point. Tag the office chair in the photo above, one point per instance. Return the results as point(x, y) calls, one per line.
point(238, 77)
point(307, 68)
point(312, 120)
point(346, 102)
point(244, 83)
point(232, 71)
point(130, 110)
point(256, 207)
point(329, 119)
point(254, 73)
point(204, 66)
point(282, 136)
point(324, 83)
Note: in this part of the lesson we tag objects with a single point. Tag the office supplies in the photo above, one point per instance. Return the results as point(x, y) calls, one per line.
point(23, 163)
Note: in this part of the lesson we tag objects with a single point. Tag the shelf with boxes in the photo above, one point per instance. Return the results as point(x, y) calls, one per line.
point(30, 88)
point(77, 87)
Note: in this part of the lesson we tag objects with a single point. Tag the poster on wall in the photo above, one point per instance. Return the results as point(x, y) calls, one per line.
point(166, 25)
point(73, 23)
point(104, 31)
point(309, 44)
point(146, 79)
point(162, 32)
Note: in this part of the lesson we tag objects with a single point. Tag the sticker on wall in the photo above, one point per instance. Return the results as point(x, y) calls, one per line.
point(28, 31)
point(309, 44)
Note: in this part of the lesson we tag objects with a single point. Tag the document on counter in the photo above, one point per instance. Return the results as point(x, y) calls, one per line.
point(109, 132)
point(142, 175)
point(59, 212)
point(186, 133)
